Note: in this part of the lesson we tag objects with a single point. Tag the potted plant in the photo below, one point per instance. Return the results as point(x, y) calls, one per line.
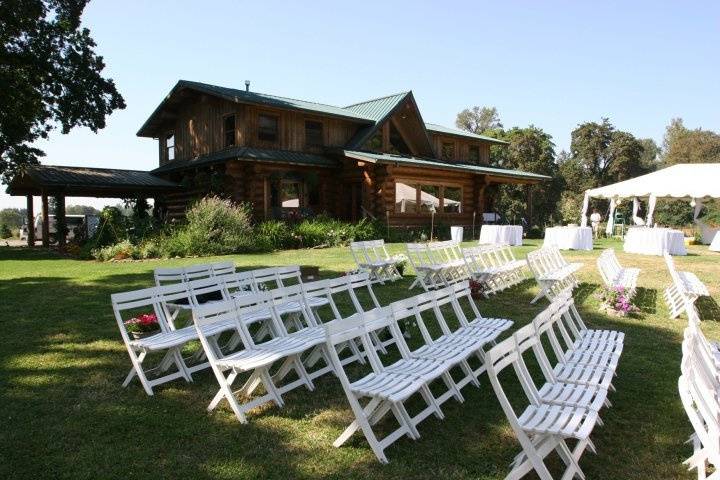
point(476, 289)
point(142, 326)
point(616, 301)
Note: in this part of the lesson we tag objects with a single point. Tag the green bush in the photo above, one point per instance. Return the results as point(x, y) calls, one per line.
point(5, 231)
point(214, 226)
point(278, 234)
point(119, 251)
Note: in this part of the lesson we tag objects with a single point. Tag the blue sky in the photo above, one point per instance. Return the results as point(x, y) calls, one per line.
point(551, 64)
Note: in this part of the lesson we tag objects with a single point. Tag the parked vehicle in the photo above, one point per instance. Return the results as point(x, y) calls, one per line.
point(76, 225)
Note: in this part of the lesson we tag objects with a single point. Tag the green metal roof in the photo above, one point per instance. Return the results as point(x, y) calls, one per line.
point(378, 110)
point(248, 153)
point(433, 127)
point(81, 181)
point(435, 163)
point(243, 96)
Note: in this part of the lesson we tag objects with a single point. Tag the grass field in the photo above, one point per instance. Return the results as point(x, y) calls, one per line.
point(65, 415)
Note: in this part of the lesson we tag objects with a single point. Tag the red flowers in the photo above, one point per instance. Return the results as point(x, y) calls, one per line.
point(146, 322)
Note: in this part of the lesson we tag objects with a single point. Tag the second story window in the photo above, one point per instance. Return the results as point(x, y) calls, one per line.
point(313, 133)
point(267, 128)
point(170, 146)
point(229, 131)
point(474, 153)
point(448, 151)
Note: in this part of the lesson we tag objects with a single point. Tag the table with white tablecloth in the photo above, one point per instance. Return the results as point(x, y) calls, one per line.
point(715, 245)
point(504, 234)
point(654, 241)
point(569, 238)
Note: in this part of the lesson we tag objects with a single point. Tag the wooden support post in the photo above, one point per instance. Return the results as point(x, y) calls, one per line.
point(529, 193)
point(30, 222)
point(45, 221)
point(60, 221)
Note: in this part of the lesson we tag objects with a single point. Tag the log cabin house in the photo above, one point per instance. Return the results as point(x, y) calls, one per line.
point(291, 158)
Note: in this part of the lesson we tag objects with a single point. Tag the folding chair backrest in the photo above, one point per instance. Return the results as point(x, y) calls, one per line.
point(473, 259)
point(501, 356)
point(189, 273)
point(356, 283)
point(219, 312)
point(127, 305)
point(418, 255)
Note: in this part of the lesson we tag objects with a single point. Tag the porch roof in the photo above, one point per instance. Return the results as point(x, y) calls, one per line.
point(517, 176)
point(248, 153)
point(87, 182)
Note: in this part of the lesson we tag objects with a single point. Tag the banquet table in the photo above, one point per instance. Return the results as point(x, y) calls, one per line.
point(715, 245)
point(569, 238)
point(654, 241)
point(504, 234)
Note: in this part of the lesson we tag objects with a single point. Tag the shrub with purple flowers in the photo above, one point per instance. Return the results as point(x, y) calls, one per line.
point(616, 301)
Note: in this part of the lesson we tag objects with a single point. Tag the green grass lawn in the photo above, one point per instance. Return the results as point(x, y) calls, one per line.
point(65, 415)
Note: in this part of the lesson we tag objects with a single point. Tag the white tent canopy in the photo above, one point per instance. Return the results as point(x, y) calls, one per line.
point(693, 181)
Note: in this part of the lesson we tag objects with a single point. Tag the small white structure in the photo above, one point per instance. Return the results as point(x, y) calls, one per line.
point(695, 182)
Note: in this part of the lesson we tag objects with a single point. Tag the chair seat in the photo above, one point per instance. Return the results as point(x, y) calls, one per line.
point(561, 273)
point(564, 421)
point(391, 386)
point(165, 340)
point(592, 375)
point(447, 349)
point(601, 336)
point(501, 324)
point(692, 284)
point(250, 359)
point(605, 358)
point(426, 369)
point(573, 395)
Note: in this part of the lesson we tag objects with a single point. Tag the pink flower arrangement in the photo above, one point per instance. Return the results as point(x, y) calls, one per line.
point(146, 322)
point(615, 300)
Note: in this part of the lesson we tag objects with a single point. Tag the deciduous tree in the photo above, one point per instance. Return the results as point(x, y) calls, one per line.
point(50, 76)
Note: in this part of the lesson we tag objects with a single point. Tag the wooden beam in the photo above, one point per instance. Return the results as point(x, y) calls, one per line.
point(60, 222)
point(45, 222)
point(30, 222)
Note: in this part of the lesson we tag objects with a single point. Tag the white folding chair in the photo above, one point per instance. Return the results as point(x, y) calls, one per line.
point(552, 273)
point(386, 388)
point(372, 256)
point(542, 427)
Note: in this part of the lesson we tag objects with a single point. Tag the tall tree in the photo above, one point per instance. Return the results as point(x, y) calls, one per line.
point(478, 119)
point(650, 157)
point(49, 75)
point(606, 155)
point(530, 149)
point(682, 145)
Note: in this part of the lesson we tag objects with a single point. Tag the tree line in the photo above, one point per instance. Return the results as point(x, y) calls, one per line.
point(599, 154)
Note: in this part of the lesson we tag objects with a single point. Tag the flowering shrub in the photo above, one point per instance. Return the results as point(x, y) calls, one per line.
point(147, 322)
point(616, 300)
point(476, 289)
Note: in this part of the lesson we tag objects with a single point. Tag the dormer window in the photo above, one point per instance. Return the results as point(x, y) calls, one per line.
point(313, 133)
point(170, 146)
point(229, 131)
point(267, 128)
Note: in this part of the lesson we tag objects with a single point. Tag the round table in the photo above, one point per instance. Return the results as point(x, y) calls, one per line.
point(715, 245)
point(504, 234)
point(569, 238)
point(654, 241)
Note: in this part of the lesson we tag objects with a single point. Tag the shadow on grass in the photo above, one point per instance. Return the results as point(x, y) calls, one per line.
point(646, 300)
point(708, 308)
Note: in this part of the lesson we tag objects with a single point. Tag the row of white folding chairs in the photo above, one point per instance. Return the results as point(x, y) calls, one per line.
point(616, 276)
point(494, 267)
point(167, 301)
point(436, 264)
point(568, 403)
point(454, 358)
point(373, 257)
point(699, 388)
point(552, 272)
point(684, 290)
point(293, 348)
point(164, 276)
